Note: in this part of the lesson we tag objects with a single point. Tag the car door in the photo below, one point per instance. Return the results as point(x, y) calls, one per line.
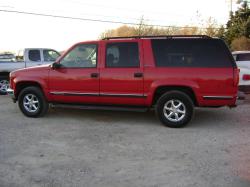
point(121, 78)
point(77, 78)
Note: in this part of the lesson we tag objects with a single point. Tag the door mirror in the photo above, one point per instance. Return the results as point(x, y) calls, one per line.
point(56, 65)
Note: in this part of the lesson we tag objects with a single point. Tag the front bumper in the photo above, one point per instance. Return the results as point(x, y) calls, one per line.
point(11, 93)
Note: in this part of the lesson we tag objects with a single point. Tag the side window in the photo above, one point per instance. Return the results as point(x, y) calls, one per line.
point(34, 55)
point(191, 53)
point(122, 55)
point(82, 56)
point(243, 57)
point(50, 55)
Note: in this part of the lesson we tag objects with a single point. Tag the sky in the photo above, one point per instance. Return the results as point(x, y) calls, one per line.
point(25, 31)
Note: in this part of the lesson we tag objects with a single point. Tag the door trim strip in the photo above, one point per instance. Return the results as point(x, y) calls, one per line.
point(122, 95)
point(217, 97)
point(96, 94)
point(74, 94)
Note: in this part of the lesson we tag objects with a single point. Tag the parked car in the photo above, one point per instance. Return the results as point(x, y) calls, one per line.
point(244, 83)
point(242, 58)
point(7, 57)
point(26, 58)
point(170, 74)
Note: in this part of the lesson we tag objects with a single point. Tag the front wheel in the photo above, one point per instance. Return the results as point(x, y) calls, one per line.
point(4, 85)
point(32, 102)
point(174, 109)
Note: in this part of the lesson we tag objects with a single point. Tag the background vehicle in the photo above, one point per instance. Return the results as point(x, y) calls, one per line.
point(171, 74)
point(26, 58)
point(244, 82)
point(242, 59)
point(7, 57)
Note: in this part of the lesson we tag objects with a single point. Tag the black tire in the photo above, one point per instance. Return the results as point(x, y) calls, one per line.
point(184, 112)
point(39, 101)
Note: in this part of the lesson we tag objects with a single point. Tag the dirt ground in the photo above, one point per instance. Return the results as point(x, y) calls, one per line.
point(123, 149)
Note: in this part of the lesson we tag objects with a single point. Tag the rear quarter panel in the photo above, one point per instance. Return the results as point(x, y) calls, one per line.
point(203, 81)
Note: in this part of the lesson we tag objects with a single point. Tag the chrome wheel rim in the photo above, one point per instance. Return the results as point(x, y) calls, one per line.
point(174, 110)
point(4, 85)
point(31, 103)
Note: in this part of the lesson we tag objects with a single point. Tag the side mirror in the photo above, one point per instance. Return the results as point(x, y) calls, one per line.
point(56, 65)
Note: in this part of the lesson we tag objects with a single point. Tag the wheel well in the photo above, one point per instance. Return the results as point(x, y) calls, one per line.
point(163, 89)
point(20, 86)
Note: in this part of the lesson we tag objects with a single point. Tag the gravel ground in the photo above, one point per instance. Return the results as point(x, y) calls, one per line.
point(123, 149)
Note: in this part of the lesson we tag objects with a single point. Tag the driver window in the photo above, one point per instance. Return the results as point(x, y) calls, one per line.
point(83, 56)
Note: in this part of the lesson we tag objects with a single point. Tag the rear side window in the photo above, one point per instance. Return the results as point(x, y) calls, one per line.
point(34, 55)
point(243, 57)
point(191, 53)
point(122, 55)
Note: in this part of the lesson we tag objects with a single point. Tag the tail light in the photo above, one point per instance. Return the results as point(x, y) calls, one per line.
point(246, 77)
point(236, 76)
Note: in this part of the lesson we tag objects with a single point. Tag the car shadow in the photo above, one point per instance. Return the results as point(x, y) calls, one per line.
point(106, 116)
point(212, 117)
point(203, 117)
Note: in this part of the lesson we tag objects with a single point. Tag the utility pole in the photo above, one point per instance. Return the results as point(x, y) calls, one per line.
point(231, 7)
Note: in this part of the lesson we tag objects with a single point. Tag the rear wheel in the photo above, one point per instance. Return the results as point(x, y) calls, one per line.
point(174, 109)
point(32, 102)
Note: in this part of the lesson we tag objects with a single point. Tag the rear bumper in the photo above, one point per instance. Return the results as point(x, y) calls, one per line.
point(245, 89)
point(11, 94)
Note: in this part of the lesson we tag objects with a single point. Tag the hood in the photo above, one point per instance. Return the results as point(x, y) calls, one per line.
point(34, 68)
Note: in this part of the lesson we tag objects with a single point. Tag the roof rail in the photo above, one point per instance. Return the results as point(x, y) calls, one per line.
point(159, 36)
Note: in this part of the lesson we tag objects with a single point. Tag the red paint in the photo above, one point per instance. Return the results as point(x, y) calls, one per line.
point(202, 81)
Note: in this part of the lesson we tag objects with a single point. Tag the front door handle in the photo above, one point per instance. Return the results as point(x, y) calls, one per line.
point(138, 75)
point(94, 75)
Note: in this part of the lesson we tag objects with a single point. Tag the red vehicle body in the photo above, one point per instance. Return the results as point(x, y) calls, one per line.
point(133, 87)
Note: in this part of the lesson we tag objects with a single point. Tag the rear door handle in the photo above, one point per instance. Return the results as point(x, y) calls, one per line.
point(94, 75)
point(138, 75)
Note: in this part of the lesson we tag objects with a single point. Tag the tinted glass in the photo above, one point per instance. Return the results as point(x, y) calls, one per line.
point(122, 55)
point(34, 55)
point(191, 53)
point(83, 56)
point(243, 57)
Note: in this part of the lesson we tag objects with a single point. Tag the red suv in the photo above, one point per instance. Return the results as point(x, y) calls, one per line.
point(171, 74)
